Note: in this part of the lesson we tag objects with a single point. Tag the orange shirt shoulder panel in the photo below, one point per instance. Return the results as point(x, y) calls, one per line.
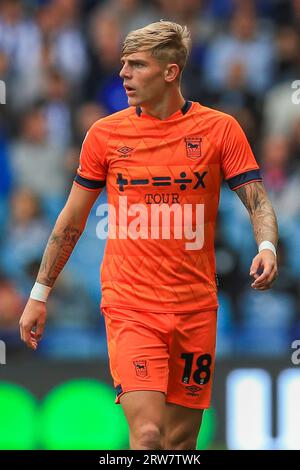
point(237, 161)
point(93, 166)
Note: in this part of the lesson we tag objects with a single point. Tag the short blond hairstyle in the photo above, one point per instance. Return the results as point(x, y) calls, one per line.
point(167, 41)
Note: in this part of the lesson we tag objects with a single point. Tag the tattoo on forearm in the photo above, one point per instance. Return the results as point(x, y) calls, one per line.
point(263, 218)
point(57, 253)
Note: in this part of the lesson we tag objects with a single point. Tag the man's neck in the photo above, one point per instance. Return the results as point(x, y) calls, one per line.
point(165, 107)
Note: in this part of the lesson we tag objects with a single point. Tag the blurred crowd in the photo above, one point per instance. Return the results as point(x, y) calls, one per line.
point(59, 60)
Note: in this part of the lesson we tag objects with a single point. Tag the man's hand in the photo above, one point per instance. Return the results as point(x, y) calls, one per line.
point(264, 270)
point(33, 317)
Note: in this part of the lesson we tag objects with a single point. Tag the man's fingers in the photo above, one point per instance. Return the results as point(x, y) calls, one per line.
point(254, 268)
point(265, 282)
point(264, 286)
point(21, 332)
point(28, 336)
point(32, 341)
point(263, 276)
point(39, 331)
point(32, 323)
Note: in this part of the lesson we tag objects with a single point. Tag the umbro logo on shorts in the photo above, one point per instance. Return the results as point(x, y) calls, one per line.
point(193, 389)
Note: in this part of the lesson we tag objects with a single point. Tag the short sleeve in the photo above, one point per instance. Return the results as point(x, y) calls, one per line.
point(92, 170)
point(238, 163)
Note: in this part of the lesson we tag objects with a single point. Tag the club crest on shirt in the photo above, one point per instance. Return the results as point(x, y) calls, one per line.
point(193, 147)
point(141, 368)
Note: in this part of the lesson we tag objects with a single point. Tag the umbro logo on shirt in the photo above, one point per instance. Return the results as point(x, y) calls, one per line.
point(125, 150)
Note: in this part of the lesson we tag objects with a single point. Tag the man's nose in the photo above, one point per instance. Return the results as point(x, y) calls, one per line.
point(124, 72)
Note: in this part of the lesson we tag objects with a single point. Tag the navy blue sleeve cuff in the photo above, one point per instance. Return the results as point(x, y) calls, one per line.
point(244, 178)
point(90, 184)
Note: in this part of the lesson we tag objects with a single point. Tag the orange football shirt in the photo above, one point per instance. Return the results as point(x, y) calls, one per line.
point(152, 262)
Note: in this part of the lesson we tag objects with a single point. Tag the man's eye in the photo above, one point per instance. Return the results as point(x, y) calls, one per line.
point(139, 65)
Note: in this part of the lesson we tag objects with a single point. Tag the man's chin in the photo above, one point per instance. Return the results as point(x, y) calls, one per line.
point(134, 101)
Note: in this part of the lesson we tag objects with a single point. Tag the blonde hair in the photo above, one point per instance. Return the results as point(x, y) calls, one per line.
point(165, 40)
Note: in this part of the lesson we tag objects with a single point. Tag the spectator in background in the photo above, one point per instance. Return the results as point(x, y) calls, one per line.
point(132, 14)
point(287, 53)
point(295, 6)
point(280, 111)
point(86, 115)
point(223, 9)
point(227, 262)
point(33, 44)
point(5, 178)
point(193, 14)
point(62, 37)
point(58, 109)
point(11, 303)
point(36, 163)
point(270, 315)
point(103, 83)
point(26, 235)
point(295, 143)
point(21, 43)
point(4, 66)
point(282, 108)
point(281, 178)
point(244, 55)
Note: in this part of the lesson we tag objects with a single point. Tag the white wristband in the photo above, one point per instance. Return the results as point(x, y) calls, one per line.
point(266, 245)
point(40, 292)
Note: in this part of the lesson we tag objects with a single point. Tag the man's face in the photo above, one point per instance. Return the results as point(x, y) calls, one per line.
point(143, 78)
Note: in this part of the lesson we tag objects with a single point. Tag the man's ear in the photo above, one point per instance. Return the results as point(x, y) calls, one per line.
point(172, 72)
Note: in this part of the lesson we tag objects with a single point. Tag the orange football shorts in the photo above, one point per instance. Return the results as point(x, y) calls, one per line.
point(167, 352)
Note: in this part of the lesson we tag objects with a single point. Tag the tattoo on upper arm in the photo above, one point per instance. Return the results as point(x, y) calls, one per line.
point(57, 253)
point(257, 202)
